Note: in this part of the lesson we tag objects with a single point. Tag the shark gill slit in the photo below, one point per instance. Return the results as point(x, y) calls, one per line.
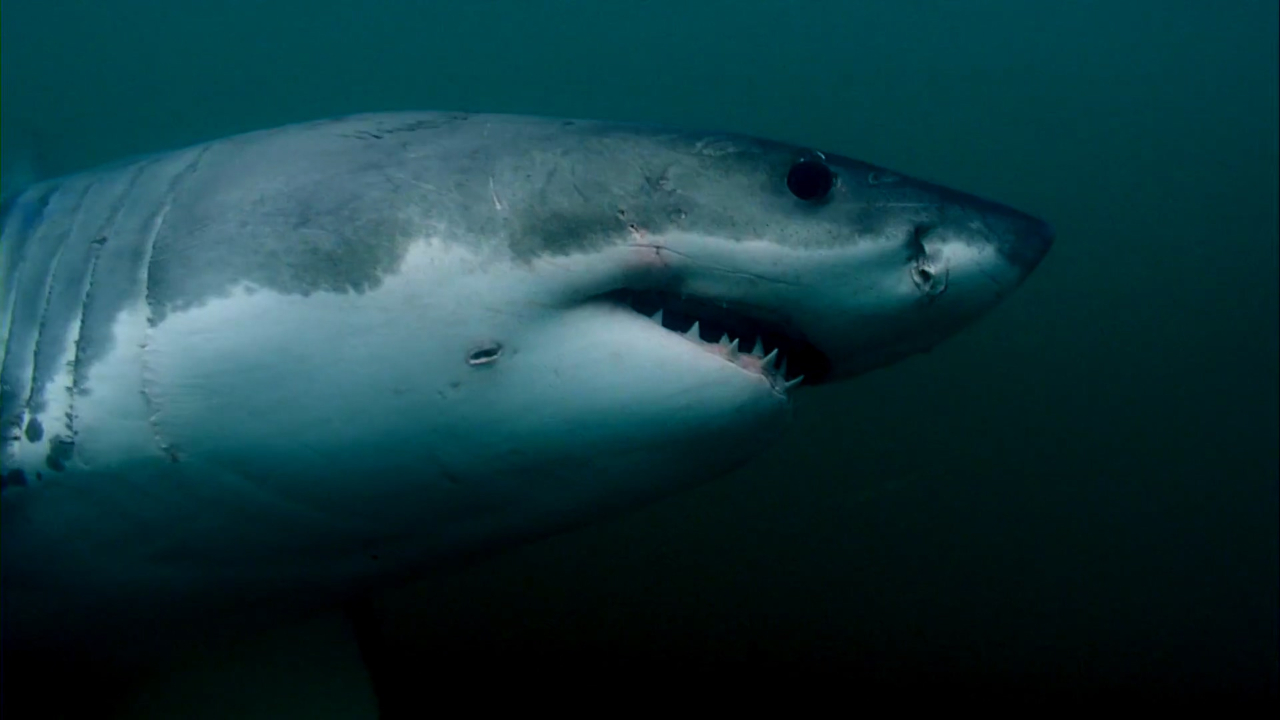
point(39, 346)
point(40, 343)
point(22, 257)
point(149, 396)
point(97, 242)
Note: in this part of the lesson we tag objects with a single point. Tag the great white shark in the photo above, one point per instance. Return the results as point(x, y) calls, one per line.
point(286, 368)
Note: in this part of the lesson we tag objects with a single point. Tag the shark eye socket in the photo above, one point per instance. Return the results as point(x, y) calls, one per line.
point(810, 179)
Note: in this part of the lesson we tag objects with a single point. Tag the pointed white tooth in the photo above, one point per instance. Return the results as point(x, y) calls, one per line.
point(759, 350)
point(657, 317)
point(694, 332)
point(724, 340)
point(770, 358)
point(792, 383)
point(733, 348)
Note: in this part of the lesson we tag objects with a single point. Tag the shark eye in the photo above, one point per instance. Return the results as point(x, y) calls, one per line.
point(810, 179)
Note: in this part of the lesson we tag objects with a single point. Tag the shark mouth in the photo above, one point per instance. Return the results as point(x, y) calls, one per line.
point(741, 337)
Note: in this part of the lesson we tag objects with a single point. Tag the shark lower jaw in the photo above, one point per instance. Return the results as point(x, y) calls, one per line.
point(740, 338)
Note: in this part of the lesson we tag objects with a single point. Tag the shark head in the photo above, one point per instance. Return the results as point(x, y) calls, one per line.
point(355, 350)
point(688, 284)
point(630, 310)
point(832, 265)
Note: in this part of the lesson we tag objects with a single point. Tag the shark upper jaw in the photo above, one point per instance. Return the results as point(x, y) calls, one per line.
point(740, 339)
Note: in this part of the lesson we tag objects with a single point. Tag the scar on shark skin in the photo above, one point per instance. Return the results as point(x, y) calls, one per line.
point(486, 354)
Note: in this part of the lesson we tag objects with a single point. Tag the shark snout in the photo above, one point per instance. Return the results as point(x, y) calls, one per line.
point(1024, 241)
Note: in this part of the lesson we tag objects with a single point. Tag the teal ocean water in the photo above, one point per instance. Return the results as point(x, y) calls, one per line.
point(1077, 495)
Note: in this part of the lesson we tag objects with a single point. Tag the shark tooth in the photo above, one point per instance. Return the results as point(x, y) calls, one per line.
point(770, 359)
point(733, 349)
point(657, 317)
point(694, 333)
point(724, 340)
point(759, 349)
point(788, 384)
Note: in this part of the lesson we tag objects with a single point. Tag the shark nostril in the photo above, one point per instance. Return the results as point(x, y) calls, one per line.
point(931, 280)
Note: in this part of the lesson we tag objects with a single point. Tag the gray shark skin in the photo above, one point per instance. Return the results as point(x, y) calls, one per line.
point(278, 370)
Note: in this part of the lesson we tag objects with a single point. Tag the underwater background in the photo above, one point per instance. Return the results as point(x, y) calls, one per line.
point(1076, 496)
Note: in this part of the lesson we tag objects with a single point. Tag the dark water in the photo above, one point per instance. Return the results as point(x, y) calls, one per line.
point(1078, 495)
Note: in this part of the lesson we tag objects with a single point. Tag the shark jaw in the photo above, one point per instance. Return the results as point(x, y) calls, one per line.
point(739, 339)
